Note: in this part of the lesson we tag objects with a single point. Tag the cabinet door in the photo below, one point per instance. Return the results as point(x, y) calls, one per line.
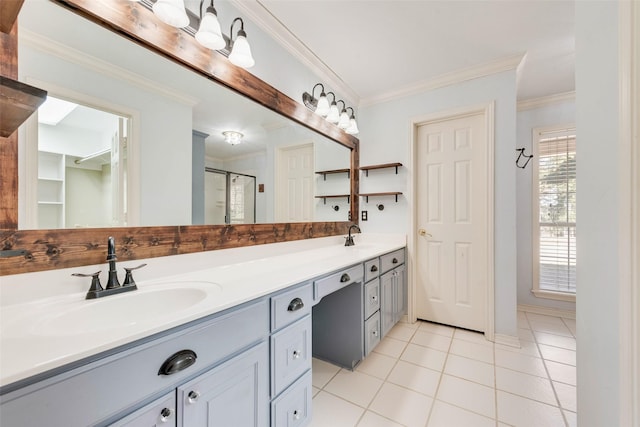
point(371, 333)
point(400, 284)
point(235, 393)
point(159, 413)
point(371, 298)
point(387, 303)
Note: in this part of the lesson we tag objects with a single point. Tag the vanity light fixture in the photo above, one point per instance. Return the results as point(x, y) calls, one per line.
point(343, 121)
point(353, 126)
point(334, 113)
point(240, 50)
point(232, 137)
point(209, 33)
point(171, 12)
point(320, 105)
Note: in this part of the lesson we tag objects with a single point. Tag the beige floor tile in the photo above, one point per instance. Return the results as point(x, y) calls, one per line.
point(520, 362)
point(402, 405)
point(571, 324)
point(526, 347)
point(471, 350)
point(469, 369)
point(571, 417)
point(561, 341)
point(424, 356)
point(414, 377)
point(543, 318)
point(525, 385)
point(390, 347)
point(436, 328)
point(401, 332)
point(371, 419)
point(322, 372)
point(526, 335)
point(414, 325)
point(474, 337)
point(561, 372)
point(557, 354)
point(446, 415)
point(566, 396)
point(431, 340)
point(316, 390)
point(331, 411)
point(551, 328)
point(466, 394)
point(354, 386)
point(377, 365)
point(523, 322)
point(523, 412)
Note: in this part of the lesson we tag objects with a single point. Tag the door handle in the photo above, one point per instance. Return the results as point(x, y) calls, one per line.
point(423, 232)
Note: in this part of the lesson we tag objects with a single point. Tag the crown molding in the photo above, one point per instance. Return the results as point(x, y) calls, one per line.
point(544, 101)
point(482, 70)
point(66, 53)
point(259, 15)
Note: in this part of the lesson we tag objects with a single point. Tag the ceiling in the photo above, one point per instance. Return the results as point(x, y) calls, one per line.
point(379, 49)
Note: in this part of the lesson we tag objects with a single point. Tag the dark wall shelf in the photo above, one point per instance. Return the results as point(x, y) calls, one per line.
point(382, 166)
point(334, 196)
point(325, 173)
point(17, 102)
point(391, 193)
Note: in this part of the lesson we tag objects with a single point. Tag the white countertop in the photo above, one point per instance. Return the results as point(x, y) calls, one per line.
point(35, 337)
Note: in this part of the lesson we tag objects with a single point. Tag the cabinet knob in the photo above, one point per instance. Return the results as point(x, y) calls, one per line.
point(296, 354)
point(345, 278)
point(296, 415)
point(374, 298)
point(394, 261)
point(374, 333)
point(193, 396)
point(295, 304)
point(374, 268)
point(165, 415)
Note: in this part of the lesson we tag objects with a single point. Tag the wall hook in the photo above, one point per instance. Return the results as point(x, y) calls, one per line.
point(380, 207)
point(529, 157)
point(335, 208)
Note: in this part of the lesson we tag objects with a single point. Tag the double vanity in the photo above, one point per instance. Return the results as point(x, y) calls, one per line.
point(215, 338)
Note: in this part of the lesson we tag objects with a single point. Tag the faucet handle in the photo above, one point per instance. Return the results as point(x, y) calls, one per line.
point(95, 280)
point(128, 278)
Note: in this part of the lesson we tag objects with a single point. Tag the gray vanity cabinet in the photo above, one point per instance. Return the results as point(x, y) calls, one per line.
point(161, 412)
point(372, 331)
point(393, 289)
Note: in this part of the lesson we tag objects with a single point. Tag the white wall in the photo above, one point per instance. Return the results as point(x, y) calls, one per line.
point(598, 201)
point(385, 137)
point(557, 114)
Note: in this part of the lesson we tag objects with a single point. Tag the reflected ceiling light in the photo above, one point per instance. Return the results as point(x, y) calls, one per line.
point(209, 33)
point(171, 12)
point(232, 137)
point(352, 129)
point(334, 113)
point(240, 50)
point(320, 105)
point(343, 121)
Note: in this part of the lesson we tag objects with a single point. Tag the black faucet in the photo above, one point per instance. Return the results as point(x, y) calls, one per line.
point(349, 241)
point(113, 284)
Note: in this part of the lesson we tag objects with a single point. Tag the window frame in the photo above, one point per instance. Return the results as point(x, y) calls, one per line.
point(536, 135)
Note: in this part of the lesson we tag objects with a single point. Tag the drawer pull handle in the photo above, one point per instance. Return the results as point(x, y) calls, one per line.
point(374, 268)
point(177, 362)
point(296, 354)
point(345, 278)
point(165, 415)
point(295, 304)
point(193, 396)
point(296, 415)
point(374, 298)
point(394, 261)
point(375, 333)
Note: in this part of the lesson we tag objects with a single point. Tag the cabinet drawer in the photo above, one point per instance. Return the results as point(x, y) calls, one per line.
point(371, 333)
point(371, 298)
point(293, 407)
point(336, 281)
point(159, 412)
point(291, 306)
point(371, 269)
point(290, 354)
point(391, 260)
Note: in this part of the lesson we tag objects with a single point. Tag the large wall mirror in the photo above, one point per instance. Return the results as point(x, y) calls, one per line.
point(131, 139)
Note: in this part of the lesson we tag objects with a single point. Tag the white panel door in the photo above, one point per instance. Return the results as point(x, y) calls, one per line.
point(451, 245)
point(294, 201)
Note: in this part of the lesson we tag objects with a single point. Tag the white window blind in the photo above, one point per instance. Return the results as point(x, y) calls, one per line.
point(556, 200)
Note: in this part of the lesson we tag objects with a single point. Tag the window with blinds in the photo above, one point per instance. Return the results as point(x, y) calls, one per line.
point(555, 209)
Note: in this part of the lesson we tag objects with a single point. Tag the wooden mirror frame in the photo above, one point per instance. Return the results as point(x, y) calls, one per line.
point(23, 251)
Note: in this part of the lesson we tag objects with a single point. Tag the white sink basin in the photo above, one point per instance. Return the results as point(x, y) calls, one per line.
point(143, 306)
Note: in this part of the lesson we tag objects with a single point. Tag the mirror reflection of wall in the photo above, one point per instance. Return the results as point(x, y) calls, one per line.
point(81, 164)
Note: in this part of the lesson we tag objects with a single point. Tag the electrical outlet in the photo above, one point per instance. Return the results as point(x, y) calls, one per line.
point(364, 215)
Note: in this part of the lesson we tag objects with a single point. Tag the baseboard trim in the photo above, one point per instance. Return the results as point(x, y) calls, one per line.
point(509, 340)
point(547, 311)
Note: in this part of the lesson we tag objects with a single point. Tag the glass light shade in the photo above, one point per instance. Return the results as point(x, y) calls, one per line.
point(343, 122)
point(171, 12)
point(334, 114)
point(232, 137)
point(209, 33)
point(323, 105)
point(241, 52)
point(353, 127)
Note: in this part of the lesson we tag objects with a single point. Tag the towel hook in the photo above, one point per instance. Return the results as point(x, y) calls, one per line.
point(529, 157)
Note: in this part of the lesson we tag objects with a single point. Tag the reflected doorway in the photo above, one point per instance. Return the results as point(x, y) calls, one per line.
point(229, 197)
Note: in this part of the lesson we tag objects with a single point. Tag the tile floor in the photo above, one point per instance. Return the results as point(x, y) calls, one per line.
point(431, 375)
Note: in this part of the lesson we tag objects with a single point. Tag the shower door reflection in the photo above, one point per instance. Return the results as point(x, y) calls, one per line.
point(230, 197)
